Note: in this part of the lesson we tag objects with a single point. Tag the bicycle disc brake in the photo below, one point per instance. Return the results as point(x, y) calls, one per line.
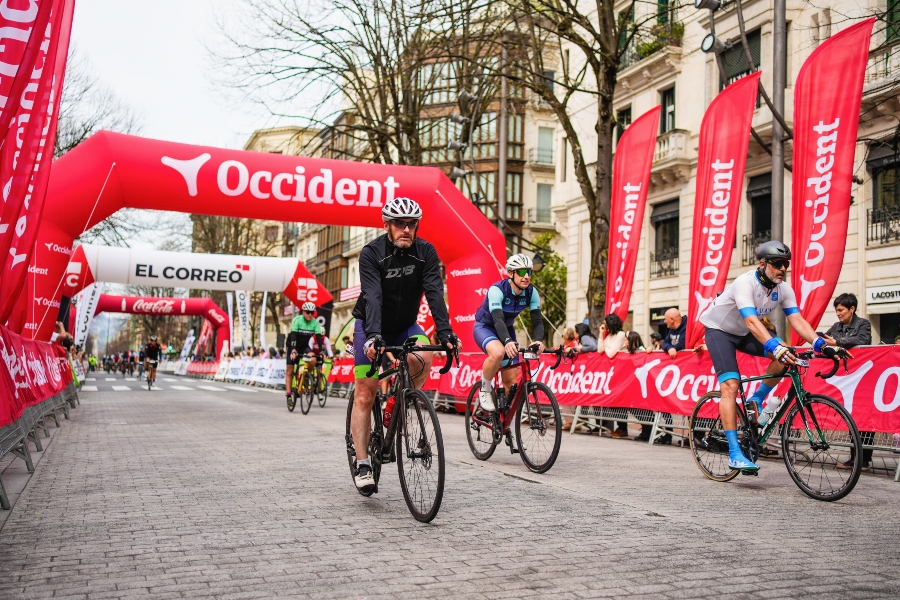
point(750, 446)
point(497, 428)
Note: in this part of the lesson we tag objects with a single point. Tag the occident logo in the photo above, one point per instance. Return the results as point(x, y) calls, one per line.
point(462, 272)
point(47, 302)
point(158, 307)
point(715, 221)
point(464, 318)
point(37, 270)
point(632, 195)
point(233, 178)
point(669, 380)
point(57, 248)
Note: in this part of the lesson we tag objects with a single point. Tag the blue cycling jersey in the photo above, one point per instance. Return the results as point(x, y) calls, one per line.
point(501, 295)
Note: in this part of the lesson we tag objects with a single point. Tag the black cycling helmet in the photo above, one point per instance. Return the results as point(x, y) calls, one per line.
point(773, 249)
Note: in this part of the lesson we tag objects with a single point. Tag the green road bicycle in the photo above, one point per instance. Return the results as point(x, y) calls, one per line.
point(816, 432)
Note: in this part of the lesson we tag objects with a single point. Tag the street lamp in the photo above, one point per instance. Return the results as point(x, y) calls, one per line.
point(456, 173)
point(709, 4)
point(537, 262)
point(712, 44)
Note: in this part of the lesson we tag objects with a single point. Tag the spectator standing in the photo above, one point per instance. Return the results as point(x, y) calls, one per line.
point(655, 343)
point(676, 324)
point(849, 331)
point(614, 341)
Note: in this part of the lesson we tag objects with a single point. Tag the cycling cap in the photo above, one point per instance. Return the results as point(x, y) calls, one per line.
point(773, 249)
point(518, 261)
point(152, 338)
point(401, 208)
point(308, 306)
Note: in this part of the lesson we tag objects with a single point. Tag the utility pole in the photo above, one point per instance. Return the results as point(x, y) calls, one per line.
point(779, 77)
point(502, 133)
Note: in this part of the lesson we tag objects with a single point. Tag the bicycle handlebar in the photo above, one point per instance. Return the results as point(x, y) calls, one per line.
point(557, 351)
point(408, 347)
point(836, 356)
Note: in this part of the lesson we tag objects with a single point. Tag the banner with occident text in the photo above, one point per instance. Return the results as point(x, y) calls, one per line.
point(827, 99)
point(30, 372)
point(631, 182)
point(724, 139)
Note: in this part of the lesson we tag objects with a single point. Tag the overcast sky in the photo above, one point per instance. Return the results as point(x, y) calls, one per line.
point(151, 54)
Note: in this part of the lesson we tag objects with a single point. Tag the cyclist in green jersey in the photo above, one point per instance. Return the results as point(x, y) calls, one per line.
point(303, 328)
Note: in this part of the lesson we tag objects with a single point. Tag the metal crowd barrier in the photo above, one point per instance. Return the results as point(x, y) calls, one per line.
point(15, 437)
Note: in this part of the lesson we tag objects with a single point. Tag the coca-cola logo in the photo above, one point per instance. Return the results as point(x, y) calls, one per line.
point(214, 315)
point(157, 307)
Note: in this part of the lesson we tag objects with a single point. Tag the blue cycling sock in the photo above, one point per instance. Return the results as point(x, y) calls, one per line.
point(760, 394)
point(734, 447)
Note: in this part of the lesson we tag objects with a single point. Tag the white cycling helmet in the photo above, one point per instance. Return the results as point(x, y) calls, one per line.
point(401, 208)
point(308, 306)
point(518, 261)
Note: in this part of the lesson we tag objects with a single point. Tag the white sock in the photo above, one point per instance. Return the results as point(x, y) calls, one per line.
point(365, 461)
point(486, 384)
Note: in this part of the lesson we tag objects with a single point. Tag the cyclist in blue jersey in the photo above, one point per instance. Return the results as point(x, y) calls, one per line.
point(494, 329)
point(733, 323)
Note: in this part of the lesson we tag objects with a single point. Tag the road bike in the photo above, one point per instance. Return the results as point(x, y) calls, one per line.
point(412, 438)
point(151, 374)
point(533, 408)
point(308, 384)
point(816, 432)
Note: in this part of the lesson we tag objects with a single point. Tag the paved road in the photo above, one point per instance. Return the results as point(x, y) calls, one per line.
point(223, 493)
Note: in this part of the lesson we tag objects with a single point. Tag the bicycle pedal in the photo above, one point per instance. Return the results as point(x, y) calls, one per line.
point(753, 473)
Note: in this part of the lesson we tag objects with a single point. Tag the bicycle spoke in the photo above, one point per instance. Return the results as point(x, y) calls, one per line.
point(420, 457)
point(708, 443)
point(539, 428)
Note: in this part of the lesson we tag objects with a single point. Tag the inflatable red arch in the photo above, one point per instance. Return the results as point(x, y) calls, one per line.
point(175, 307)
point(111, 171)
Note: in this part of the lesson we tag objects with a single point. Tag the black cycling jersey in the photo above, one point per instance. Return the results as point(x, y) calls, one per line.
point(392, 281)
point(151, 351)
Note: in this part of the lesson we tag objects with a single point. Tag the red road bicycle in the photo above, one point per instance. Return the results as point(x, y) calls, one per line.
point(530, 405)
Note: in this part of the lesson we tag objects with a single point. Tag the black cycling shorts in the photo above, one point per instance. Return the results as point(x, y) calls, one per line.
point(299, 341)
point(723, 349)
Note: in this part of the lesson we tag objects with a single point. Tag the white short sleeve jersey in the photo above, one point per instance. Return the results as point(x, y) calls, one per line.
point(746, 296)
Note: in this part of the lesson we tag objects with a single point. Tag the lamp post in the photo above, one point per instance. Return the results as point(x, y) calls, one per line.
point(537, 262)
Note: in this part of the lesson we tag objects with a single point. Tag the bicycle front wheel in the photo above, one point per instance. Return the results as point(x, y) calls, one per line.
point(479, 429)
point(420, 456)
point(375, 441)
point(708, 443)
point(538, 428)
point(307, 391)
point(322, 389)
point(815, 439)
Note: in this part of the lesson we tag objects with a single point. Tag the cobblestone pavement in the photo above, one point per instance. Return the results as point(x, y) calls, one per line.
point(221, 493)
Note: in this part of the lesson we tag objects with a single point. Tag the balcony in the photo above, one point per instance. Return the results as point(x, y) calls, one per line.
point(537, 103)
point(654, 53)
point(358, 241)
point(541, 159)
point(882, 225)
point(664, 263)
point(540, 218)
point(671, 160)
point(882, 78)
point(750, 243)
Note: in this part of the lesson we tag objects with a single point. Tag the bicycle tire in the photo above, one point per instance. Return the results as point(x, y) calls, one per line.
point(536, 437)
point(482, 449)
point(419, 432)
point(322, 393)
point(307, 391)
point(291, 401)
point(813, 469)
point(708, 444)
point(375, 443)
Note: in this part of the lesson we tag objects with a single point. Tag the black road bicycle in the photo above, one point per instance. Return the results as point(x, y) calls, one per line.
point(413, 438)
point(816, 435)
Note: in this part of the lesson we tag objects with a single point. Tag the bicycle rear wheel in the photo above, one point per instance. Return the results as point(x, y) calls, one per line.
point(375, 442)
point(812, 463)
point(322, 389)
point(540, 436)
point(708, 443)
point(307, 391)
point(420, 456)
point(479, 431)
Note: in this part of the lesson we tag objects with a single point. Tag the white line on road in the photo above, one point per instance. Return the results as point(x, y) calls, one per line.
point(182, 388)
point(130, 379)
point(90, 379)
point(169, 379)
point(112, 379)
point(211, 388)
point(120, 388)
point(242, 389)
point(89, 388)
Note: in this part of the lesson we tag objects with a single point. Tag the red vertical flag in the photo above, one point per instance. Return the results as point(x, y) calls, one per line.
point(724, 138)
point(630, 182)
point(826, 120)
point(27, 154)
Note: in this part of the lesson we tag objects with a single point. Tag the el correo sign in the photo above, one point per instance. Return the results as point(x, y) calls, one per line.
point(882, 294)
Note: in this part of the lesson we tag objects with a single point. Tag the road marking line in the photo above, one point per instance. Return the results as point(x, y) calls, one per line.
point(169, 379)
point(90, 379)
point(242, 389)
point(182, 388)
point(121, 388)
point(89, 388)
point(111, 379)
point(130, 379)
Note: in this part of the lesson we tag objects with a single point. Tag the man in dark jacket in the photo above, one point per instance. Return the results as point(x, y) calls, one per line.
point(851, 330)
point(676, 325)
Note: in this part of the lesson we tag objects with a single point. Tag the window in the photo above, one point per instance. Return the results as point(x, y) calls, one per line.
point(759, 196)
point(664, 219)
point(513, 197)
point(439, 80)
point(667, 99)
point(623, 120)
point(567, 62)
point(884, 165)
point(665, 10)
point(626, 24)
point(734, 60)
point(484, 192)
point(515, 136)
point(545, 146)
point(564, 155)
point(271, 233)
point(544, 201)
point(892, 19)
point(550, 78)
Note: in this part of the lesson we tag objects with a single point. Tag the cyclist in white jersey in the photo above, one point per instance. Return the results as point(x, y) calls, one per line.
point(733, 323)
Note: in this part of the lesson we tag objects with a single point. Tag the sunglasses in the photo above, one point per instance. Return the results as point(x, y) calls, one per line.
point(402, 225)
point(780, 264)
point(523, 272)
point(308, 312)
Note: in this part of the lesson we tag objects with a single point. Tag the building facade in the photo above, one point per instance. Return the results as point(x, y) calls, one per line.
point(677, 75)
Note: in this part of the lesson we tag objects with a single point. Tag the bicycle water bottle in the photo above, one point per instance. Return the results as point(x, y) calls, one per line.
point(389, 410)
point(769, 411)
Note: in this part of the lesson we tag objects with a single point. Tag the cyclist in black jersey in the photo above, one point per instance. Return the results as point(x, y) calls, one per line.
point(394, 270)
point(151, 355)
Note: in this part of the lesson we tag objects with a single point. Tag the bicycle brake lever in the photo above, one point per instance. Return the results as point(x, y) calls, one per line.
point(449, 364)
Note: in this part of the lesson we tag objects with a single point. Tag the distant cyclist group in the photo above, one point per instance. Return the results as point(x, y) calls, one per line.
point(136, 363)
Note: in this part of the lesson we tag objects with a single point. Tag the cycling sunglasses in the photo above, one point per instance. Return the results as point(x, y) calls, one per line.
point(308, 312)
point(780, 264)
point(401, 224)
point(523, 272)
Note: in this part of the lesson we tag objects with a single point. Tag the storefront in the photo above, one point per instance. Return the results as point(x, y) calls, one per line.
point(883, 310)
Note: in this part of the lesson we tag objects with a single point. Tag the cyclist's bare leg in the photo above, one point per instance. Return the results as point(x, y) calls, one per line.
point(361, 420)
point(774, 367)
point(509, 377)
point(727, 409)
point(495, 355)
point(289, 375)
point(415, 366)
